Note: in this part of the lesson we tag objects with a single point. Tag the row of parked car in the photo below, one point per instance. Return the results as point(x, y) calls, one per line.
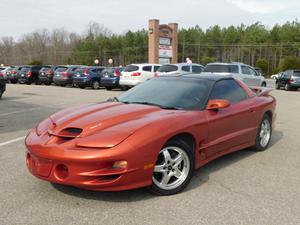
point(122, 77)
point(131, 75)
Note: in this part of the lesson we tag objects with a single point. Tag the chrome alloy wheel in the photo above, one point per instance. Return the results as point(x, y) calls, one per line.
point(171, 169)
point(265, 133)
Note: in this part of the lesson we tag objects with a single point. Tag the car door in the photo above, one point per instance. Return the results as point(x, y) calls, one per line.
point(246, 75)
point(147, 73)
point(254, 79)
point(232, 126)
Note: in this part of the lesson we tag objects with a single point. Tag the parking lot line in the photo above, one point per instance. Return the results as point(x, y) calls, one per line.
point(12, 141)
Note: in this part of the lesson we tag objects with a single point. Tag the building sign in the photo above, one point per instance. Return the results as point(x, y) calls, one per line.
point(164, 41)
point(164, 61)
point(165, 51)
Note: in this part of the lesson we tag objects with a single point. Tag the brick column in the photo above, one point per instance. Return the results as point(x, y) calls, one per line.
point(174, 27)
point(153, 40)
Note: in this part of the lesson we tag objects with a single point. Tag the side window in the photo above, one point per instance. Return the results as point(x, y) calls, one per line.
point(252, 71)
point(196, 69)
point(245, 70)
point(147, 68)
point(186, 68)
point(229, 90)
point(156, 68)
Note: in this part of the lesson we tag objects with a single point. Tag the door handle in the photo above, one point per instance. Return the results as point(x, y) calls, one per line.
point(252, 110)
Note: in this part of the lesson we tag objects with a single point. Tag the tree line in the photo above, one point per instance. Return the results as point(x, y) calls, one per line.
point(272, 49)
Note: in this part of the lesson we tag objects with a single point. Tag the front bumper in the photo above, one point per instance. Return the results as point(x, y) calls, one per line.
point(87, 168)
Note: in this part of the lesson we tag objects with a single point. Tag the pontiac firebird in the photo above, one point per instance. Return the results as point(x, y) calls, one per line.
point(154, 135)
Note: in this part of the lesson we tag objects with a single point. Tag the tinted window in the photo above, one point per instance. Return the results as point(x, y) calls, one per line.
point(147, 68)
point(220, 68)
point(167, 68)
point(186, 68)
point(156, 68)
point(131, 68)
point(196, 69)
point(229, 90)
point(296, 73)
point(170, 92)
point(61, 69)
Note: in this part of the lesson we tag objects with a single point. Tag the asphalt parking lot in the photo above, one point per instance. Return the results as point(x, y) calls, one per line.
point(241, 188)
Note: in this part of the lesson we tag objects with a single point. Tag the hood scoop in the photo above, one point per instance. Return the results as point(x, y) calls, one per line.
point(69, 133)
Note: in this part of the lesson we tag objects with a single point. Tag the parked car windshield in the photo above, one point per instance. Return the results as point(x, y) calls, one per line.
point(131, 68)
point(296, 73)
point(170, 93)
point(167, 68)
point(61, 69)
point(215, 68)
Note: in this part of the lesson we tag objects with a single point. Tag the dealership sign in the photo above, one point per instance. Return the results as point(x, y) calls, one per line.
point(165, 51)
point(164, 41)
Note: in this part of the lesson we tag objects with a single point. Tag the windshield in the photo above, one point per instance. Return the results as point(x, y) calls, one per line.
point(172, 93)
point(215, 68)
point(131, 68)
point(167, 68)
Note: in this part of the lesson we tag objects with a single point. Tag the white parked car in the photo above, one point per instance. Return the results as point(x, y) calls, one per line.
point(239, 71)
point(275, 76)
point(135, 74)
point(179, 68)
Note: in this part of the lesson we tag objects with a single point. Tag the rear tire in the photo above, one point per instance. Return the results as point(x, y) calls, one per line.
point(287, 87)
point(264, 84)
point(96, 85)
point(108, 88)
point(173, 169)
point(82, 86)
point(63, 85)
point(264, 134)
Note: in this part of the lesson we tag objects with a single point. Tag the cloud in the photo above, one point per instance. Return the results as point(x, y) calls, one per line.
point(265, 6)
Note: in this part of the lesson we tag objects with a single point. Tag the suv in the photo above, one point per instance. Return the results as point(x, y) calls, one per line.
point(289, 79)
point(29, 75)
point(12, 75)
point(88, 77)
point(64, 76)
point(2, 85)
point(179, 68)
point(135, 74)
point(111, 77)
point(47, 72)
point(239, 71)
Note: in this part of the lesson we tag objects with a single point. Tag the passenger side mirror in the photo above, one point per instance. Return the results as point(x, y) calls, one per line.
point(216, 104)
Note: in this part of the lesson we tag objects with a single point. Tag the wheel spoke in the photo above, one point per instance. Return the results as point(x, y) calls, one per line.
point(166, 178)
point(178, 160)
point(178, 173)
point(167, 155)
point(159, 169)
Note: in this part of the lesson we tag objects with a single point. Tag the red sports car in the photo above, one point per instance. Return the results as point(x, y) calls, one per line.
point(155, 134)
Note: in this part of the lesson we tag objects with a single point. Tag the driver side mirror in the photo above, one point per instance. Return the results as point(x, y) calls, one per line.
point(216, 104)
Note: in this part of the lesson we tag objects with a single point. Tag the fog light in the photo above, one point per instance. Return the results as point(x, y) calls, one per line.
point(120, 165)
point(61, 172)
point(29, 161)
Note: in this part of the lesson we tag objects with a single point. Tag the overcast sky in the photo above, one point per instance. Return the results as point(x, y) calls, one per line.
point(23, 16)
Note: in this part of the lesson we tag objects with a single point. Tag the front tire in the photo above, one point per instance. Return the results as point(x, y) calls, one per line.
point(264, 134)
point(173, 169)
point(1, 92)
point(277, 86)
point(287, 87)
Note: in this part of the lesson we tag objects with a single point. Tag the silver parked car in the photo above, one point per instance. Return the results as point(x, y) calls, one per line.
point(239, 71)
point(179, 68)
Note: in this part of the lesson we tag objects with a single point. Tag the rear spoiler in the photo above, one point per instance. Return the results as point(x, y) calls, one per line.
point(261, 91)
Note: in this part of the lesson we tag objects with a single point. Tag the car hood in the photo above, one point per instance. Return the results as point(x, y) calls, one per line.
point(104, 125)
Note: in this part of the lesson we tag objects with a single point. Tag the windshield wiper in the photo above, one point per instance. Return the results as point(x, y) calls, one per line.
point(153, 104)
point(114, 99)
